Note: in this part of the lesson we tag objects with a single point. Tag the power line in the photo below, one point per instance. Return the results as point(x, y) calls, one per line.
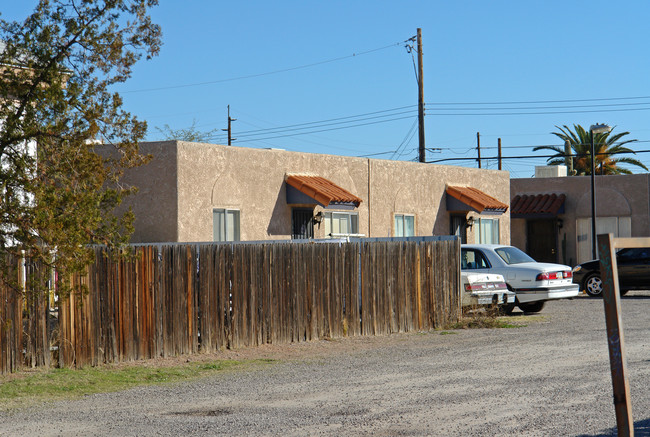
point(250, 76)
point(344, 122)
point(330, 121)
point(542, 101)
point(328, 129)
point(375, 154)
point(581, 155)
point(407, 139)
point(542, 112)
point(543, 107)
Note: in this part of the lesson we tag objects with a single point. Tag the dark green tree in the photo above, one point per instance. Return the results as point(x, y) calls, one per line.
point(610, 151)
point(57, 67)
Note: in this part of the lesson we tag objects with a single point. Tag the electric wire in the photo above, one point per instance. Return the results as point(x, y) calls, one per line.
point(600, 105)
point(407, 138)
point(251, 76)
point(331, 121)
point(580, 155)
point(328, 129)
point(346, 121)
point(527, 102)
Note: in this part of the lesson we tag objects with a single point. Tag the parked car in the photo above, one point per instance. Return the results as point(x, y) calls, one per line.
point(633, 265)
point(484, 289)
point(533, 283)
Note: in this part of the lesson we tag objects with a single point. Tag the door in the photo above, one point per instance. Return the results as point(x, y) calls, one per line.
point(619, 226)
point(302, 223)
point(459, 227)
point(541, 240)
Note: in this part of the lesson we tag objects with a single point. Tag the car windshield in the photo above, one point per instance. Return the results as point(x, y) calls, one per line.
point(512, 255)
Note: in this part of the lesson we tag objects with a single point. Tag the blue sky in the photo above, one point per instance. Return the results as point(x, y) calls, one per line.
point(334, 77)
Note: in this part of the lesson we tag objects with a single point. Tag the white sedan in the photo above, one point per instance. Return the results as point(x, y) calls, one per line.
point(533, 283)
point(484, 289)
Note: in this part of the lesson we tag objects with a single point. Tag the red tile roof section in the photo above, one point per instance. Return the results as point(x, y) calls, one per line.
point(477, 199)
point(537, 203)
point(321, 189)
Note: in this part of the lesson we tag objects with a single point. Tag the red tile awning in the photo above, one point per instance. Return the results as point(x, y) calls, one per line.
point(325, 192)
point(537, 205)
point(472, 199)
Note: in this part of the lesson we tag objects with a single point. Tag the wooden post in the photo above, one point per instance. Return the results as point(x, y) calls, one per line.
point(612, 301)
point(499, 153)
point(478, 147)
point(422, 146)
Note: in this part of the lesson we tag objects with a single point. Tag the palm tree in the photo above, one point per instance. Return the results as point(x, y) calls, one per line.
point(607, 147)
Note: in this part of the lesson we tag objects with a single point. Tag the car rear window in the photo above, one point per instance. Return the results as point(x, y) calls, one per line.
point(512, 255)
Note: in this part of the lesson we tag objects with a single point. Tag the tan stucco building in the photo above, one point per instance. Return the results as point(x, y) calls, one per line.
point(558, 229)
point(196, 192)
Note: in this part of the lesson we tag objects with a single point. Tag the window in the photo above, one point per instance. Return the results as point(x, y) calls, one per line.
point(512, 255)
point(225, 224)
point(341, 223)
point(404, 225)
point(302, 223)
point(488, 231)
point(472, 259)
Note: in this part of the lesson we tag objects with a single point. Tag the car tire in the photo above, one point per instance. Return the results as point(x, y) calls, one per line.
point(593, 285)
point(508, 308)
point(532, 307)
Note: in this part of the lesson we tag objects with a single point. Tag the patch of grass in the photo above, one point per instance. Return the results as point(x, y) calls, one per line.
point(447, 332)
point(484, 322)
point(489, 319)
point(34, 387)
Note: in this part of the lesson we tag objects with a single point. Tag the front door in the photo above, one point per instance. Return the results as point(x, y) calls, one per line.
point(302, 223)
point(459, 227)
point(541, 238)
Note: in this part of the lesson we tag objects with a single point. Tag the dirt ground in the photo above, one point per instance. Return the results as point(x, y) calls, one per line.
point(550, 377)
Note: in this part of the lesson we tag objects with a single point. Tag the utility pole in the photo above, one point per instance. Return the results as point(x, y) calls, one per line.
point(229, 130)
point(499, 153)
point(420, 98)
point(478, 147)
point(568, 158)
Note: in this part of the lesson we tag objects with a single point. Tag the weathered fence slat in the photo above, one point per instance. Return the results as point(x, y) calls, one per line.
point(169, 300)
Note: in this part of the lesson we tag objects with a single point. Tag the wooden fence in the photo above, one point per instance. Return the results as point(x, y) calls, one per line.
point(24, 331)
point(182, 299)
point(11, 321)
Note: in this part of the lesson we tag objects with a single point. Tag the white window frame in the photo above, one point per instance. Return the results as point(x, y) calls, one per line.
point(341, 223)
point(487, 236)
point(399, 225)
point(226, 224)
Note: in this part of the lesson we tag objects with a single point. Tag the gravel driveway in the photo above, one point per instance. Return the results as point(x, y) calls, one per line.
point(549, 378)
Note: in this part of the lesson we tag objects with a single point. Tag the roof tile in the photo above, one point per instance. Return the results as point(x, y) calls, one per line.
point(321, 189)
point(537, 204)
point(476, 198)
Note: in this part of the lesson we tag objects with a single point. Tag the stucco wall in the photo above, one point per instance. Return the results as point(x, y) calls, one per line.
point(155, 204)
point(415, 188)
point(252, 181)
point(620, 195)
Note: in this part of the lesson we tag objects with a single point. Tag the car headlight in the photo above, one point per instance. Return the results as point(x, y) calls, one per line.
point(576, 269)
